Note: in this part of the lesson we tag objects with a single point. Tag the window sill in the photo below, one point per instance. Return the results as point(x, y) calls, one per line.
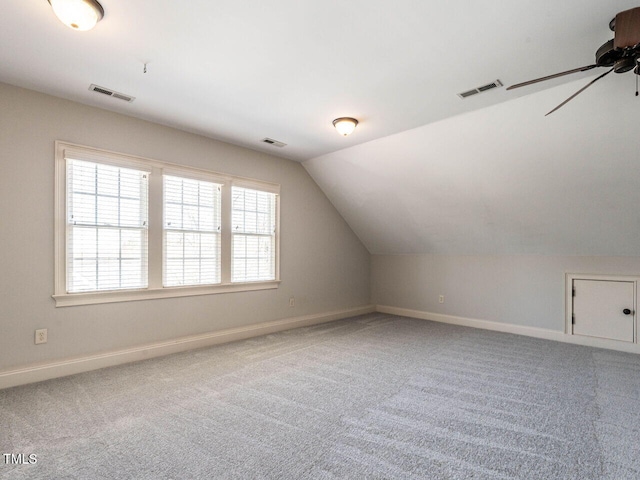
point(72, 299)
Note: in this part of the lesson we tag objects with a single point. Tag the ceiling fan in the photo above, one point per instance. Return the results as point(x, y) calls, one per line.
point(622, 53)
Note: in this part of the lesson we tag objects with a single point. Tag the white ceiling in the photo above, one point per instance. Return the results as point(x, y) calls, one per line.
point(242, 71)
point(488, 174)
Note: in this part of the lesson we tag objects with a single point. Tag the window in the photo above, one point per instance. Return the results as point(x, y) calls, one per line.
point(131, 229)
point(191, 232)
point(254, 235)
point(106, 227)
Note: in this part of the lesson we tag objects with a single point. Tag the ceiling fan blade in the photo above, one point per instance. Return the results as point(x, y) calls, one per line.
point(627, 29)
point(549, 77)
point(580, 91)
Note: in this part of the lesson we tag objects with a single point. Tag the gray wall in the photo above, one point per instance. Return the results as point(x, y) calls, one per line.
point(517, 289)
point(323, 264)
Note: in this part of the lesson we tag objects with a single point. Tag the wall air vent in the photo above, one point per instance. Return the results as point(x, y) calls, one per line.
point(483, 88)
point(111, 93)
point(273, 142)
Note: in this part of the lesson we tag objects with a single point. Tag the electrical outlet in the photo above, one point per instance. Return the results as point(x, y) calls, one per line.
point(41, 336)
point(292, 301)
point(441, 299)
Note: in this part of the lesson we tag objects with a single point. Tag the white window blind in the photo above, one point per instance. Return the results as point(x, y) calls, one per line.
point(254, 235)
point(107, 218)
point(191, 232)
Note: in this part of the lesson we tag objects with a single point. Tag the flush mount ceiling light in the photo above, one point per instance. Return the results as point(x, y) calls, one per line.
point(78, 14)
point(345, 125)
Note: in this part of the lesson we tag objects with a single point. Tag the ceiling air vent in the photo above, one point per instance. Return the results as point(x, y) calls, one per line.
point(111, 93)
point(483, 88)
point(273, 142)
point(468, 94)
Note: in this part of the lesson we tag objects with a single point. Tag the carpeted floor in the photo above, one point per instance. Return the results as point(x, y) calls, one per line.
point(376, 396)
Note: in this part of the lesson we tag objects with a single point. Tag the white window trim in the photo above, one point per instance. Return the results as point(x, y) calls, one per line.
point(157, 169)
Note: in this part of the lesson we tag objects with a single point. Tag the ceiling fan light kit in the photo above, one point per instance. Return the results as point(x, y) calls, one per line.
point(79, 15)
point(621, 54)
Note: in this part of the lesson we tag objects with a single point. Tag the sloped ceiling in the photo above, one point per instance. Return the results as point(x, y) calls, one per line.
point(424, 172)
point(501, 180)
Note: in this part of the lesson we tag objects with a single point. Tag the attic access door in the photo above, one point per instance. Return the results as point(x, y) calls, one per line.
point(604, 309)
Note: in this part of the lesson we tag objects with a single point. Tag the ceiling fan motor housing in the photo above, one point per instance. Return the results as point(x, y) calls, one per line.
point(607, 55)
point(626, 42)
point(622, 52)
point(624, 64)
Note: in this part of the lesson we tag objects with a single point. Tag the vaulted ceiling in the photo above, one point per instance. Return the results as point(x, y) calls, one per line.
point(501, 180)
point(425, 171)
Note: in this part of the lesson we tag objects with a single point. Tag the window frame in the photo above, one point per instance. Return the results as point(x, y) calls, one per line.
point(166, 230)
point(272, 235)
point(72, 227)
point(157, 169)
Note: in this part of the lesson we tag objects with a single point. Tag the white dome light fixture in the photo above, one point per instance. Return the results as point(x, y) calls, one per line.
point(78, 14)
point(345, 125)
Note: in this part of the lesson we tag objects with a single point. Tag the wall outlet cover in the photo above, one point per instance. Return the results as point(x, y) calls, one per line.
point(41, 336)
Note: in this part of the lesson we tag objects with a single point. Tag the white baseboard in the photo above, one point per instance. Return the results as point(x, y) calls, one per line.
point(70, 366)
point(544, 333)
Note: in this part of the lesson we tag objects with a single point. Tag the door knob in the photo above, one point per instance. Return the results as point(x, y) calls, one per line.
point(626, 311)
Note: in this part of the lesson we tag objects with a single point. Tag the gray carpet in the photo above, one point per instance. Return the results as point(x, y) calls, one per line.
point(375, 396)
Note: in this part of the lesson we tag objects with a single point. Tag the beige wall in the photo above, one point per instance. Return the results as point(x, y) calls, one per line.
point(527, 290)
point(323, 264)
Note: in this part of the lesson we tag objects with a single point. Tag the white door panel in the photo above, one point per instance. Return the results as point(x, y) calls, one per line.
point(599, 309)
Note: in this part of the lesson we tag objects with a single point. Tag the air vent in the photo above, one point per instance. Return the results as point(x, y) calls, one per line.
point(469, 93)
point(111, 93)
point(489, 86)
point(273, 142)
point(483, 88)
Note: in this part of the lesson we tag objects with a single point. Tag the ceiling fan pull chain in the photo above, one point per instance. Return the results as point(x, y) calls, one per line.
point(636, 84)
